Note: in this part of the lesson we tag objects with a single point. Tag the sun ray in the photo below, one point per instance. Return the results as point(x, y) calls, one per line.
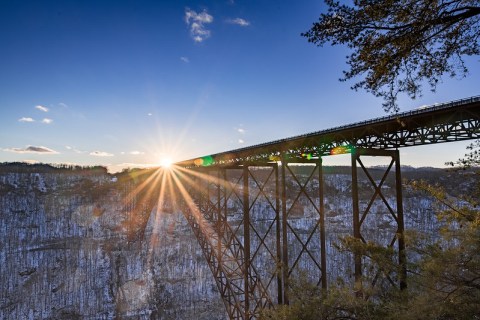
point(173, 188)
point(205, 176)
point(201, 221)
point(158, 210)
point(142, 196)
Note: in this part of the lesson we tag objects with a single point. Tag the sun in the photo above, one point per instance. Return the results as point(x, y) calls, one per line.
point(166, 163)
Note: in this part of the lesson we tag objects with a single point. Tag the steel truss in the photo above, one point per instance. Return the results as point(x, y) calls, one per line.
point(246, 218)
point(237, 245)
point(303, 243)
point(251, 223)
point(254, 247)
point(393, 211)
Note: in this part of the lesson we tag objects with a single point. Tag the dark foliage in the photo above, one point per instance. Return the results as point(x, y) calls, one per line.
point(23, 167)
point(399, 44)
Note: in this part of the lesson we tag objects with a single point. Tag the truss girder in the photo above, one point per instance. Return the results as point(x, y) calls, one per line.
point(454, 121)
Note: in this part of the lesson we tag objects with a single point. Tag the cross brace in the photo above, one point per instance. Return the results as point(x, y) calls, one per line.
point(260, 224)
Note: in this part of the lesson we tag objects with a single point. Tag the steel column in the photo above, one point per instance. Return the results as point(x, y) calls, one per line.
point(246, 241)
point(284, 264)
point(323, 257)
point(402, 258)
point(278, 237)
point(220, 220)
point(356, 223)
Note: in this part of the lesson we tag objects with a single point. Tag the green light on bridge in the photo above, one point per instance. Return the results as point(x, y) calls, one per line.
point(307, 156)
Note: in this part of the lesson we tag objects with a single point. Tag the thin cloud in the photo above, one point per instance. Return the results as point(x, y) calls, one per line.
point(101, 154)
point(26, 119)
point(32, 149)
point(185, 59)
point(239, 22)
point(241, 141)
point(196, 22)
point(241, 130)
point(63, 105)
point(136, 153)
point(73, 149)
point(41, 108)
point(47, 121)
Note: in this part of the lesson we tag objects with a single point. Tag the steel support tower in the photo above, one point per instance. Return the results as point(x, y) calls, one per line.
point(244, 205)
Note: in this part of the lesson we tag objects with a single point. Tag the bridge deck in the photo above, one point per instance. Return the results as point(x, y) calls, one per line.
point(452, 121)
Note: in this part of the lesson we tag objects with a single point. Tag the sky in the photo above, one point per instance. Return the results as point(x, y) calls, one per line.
point(131, 83)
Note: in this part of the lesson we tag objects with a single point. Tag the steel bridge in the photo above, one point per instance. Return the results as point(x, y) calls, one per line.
point(245, 205)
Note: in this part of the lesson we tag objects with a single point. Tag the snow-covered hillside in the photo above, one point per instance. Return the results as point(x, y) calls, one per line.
point(85, 246)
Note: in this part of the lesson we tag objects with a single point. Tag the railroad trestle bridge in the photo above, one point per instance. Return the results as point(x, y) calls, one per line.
point(245, 206)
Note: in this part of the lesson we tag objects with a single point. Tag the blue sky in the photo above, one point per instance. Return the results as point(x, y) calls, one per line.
point(131, 82)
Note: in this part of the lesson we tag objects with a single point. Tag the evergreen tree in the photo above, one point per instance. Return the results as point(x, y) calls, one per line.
point(399, 44)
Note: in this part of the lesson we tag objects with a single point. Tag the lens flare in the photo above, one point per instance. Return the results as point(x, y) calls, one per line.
point(307, 156)
point(274, 158)
point(166, 163)
point(341, 150)
point(204, 161)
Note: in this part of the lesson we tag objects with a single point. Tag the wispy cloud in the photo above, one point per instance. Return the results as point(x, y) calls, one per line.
point(196, 22)
point(32, 149)
point(185, 59)
point(47, 120)
point(239, 22)
point(241, 131)
point(73, 149)
point(63, 105)
point(26, 119)
point(41, 108)
point(101, 154)
point(136, 153)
